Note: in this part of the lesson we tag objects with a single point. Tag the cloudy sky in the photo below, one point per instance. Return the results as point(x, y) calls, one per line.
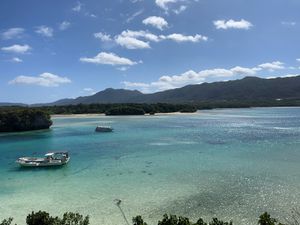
point(55, 49)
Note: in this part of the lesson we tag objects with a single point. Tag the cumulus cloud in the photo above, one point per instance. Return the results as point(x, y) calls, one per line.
point(13, 33)
point(108, 59)
point(20, 49)
point(276, 65)
point(64, 25)
point(183, 38)
point(102, 36)
point(140, 34)
point(44, 79)
point(232, 24)
point(129, 39)
point(156, 21)
point(44, 31)
point(192, 77)
point(298, 60)
point(244, 71)
point(131, 42)
point(141, 39)
point(189, 77)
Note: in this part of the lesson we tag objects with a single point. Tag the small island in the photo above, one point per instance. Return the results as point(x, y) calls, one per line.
point(24, 119)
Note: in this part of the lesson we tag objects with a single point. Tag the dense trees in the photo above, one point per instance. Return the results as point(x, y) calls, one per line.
point(124, 110)
point(121, 109)
point(69, 218)
point(18, 118)
point(23, 119)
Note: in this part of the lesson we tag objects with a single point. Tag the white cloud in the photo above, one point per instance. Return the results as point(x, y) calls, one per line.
point(123, 68)
point(290, 75)
point(77, 7)
point(191, 77)
point(276, 65)
point(290, 23)
point(156, 21)
point(135, 84)
point(21, 49)
point(141, 39)
point(298, 60)
point(91, 15)
point(181, 9)
point(284, 76)
point(131, 43)
point(244, 70)
point(140, 34)
point(102, 36)
point(64, 25)
point(88, 89)
point(164, 3)
point(13, 33)
point(186, 78)
point(129, 39)
point(134, 15)
point(182, 38)
point(16, 59)
point(232, 24)
point(44, 79)
point(108, 59)
point(44, 31)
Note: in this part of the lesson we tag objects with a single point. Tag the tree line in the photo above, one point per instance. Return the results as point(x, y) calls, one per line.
point(70, 218)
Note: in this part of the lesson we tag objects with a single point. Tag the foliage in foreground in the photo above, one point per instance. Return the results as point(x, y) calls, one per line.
point(44, 218)
point(69, 218)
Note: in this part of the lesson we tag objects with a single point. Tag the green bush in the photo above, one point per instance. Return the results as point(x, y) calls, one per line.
point(7, 221)
point(138, 221)
point(266, 219)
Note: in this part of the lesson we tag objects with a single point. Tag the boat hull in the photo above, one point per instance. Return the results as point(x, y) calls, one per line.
point(103, 129)
point(53, 163)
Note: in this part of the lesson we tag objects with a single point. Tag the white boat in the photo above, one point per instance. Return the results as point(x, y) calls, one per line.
point(50, 159)
point(103, 129)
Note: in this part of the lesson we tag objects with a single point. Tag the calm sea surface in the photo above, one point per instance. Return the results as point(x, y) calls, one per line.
point(232, 163)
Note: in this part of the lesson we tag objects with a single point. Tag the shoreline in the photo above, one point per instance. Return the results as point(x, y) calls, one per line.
point(102, 114)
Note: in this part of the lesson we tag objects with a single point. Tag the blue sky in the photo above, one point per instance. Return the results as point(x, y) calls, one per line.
point(55, 49)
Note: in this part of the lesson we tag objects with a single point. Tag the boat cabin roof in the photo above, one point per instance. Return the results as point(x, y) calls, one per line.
point(56, 153)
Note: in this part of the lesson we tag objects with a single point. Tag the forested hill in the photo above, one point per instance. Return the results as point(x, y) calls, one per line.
point(248, 88)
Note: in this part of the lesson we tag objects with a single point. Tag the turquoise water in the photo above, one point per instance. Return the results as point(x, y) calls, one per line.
point(230, 163)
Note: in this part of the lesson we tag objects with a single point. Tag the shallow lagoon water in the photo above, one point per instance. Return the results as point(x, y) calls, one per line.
point(230, 163)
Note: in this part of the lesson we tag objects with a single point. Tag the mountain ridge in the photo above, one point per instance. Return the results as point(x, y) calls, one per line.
point(247, 88)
